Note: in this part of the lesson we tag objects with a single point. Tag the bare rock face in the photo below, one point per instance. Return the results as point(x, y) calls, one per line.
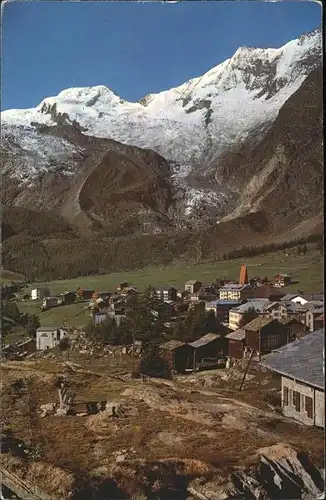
point(282, 473)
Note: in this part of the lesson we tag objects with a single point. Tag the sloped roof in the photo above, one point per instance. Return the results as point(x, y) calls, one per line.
point(258, 323)
point(48, 328)
point(237, 335)
point(172, 345)
point(164, 287)
point(301, 360)
point(259, 305)
point(233, 287)
point(218, 302)
point(314, 306)
point(321, 317)
point(274, 304)
point(312, 296)
point(286, 321)
point(192, 282)
point(210, 337)
point(289, 296)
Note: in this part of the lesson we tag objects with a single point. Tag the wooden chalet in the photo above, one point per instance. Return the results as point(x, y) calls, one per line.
point(296, 329)
point(211, 345)
point(236, 343)
point(264, 334)
point(178, 354)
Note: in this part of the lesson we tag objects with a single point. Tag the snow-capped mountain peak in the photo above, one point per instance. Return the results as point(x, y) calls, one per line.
point(194, 122)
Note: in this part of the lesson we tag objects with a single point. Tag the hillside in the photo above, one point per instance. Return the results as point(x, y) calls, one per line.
point(174, 440)
point(282, 174)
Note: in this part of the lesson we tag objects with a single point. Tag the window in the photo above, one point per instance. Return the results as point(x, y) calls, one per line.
point(296, 400)
point(285, 396)
point(308, 406)
point(273, 340)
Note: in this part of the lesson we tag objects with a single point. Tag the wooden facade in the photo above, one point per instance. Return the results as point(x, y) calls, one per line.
point(263, 335)
point(296, 329)
point(209, 346)
point(236, 348)
point(178, 354)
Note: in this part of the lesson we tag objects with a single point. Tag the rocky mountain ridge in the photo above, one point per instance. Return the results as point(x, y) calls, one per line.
point(77, 152)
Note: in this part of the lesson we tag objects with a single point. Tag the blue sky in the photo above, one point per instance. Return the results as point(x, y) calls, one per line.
point(133, 48)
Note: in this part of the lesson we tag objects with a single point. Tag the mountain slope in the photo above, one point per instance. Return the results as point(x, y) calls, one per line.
point(283, 173)
point(221, 145)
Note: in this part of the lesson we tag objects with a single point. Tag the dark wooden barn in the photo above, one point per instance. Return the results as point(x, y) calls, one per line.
point(211, 346)
point(178, 354)
point(68, 297)
point(236, 342)
point(296, 329)
point(263, 335)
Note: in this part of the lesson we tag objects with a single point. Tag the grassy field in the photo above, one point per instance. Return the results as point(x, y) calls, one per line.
point(306, 270)
point(72, 315)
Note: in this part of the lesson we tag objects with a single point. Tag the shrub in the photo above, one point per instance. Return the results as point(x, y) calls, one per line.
point(153, 365)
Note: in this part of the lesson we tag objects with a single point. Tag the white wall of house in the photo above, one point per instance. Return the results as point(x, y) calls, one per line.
point(299, 300)
point(302, 415)
point(49, 339)
point(320, 408)
point(280, 312)
point(230, 295)
point(34, 294)
point(234, 319)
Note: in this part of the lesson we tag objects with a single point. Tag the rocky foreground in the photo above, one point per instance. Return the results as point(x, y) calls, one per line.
point(195, 438)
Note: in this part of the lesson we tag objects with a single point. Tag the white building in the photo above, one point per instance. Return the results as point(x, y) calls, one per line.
point(301, 366)
point(234, 291)
point(40, 293)
point(192, 286)
point(49, 337)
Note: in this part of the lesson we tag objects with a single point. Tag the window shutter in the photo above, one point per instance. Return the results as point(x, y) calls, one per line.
point(297, 401)
point(285, 396)
point(308, 406)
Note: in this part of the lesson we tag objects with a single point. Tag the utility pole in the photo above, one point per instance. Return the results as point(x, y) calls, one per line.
point(259, 359)
point(246, 371)
point(133, 352)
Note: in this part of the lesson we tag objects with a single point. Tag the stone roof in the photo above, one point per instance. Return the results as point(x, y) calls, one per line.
point(192, 282)
point(48, 328)
point(164, 287)
point(286, 321)
point(259, 305)
point(301, 360)
point(219, 302)
point(237, 335)
point(233, 286)
point(289, 296)
point(172, 345)
point(210, 337)
point(258, 323)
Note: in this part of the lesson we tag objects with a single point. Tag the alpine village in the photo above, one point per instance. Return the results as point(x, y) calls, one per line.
point(162, 304)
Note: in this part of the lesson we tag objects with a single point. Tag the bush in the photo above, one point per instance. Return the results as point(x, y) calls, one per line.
point(153, 365)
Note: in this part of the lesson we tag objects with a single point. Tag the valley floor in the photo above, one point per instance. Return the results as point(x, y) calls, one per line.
point(306, 271)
